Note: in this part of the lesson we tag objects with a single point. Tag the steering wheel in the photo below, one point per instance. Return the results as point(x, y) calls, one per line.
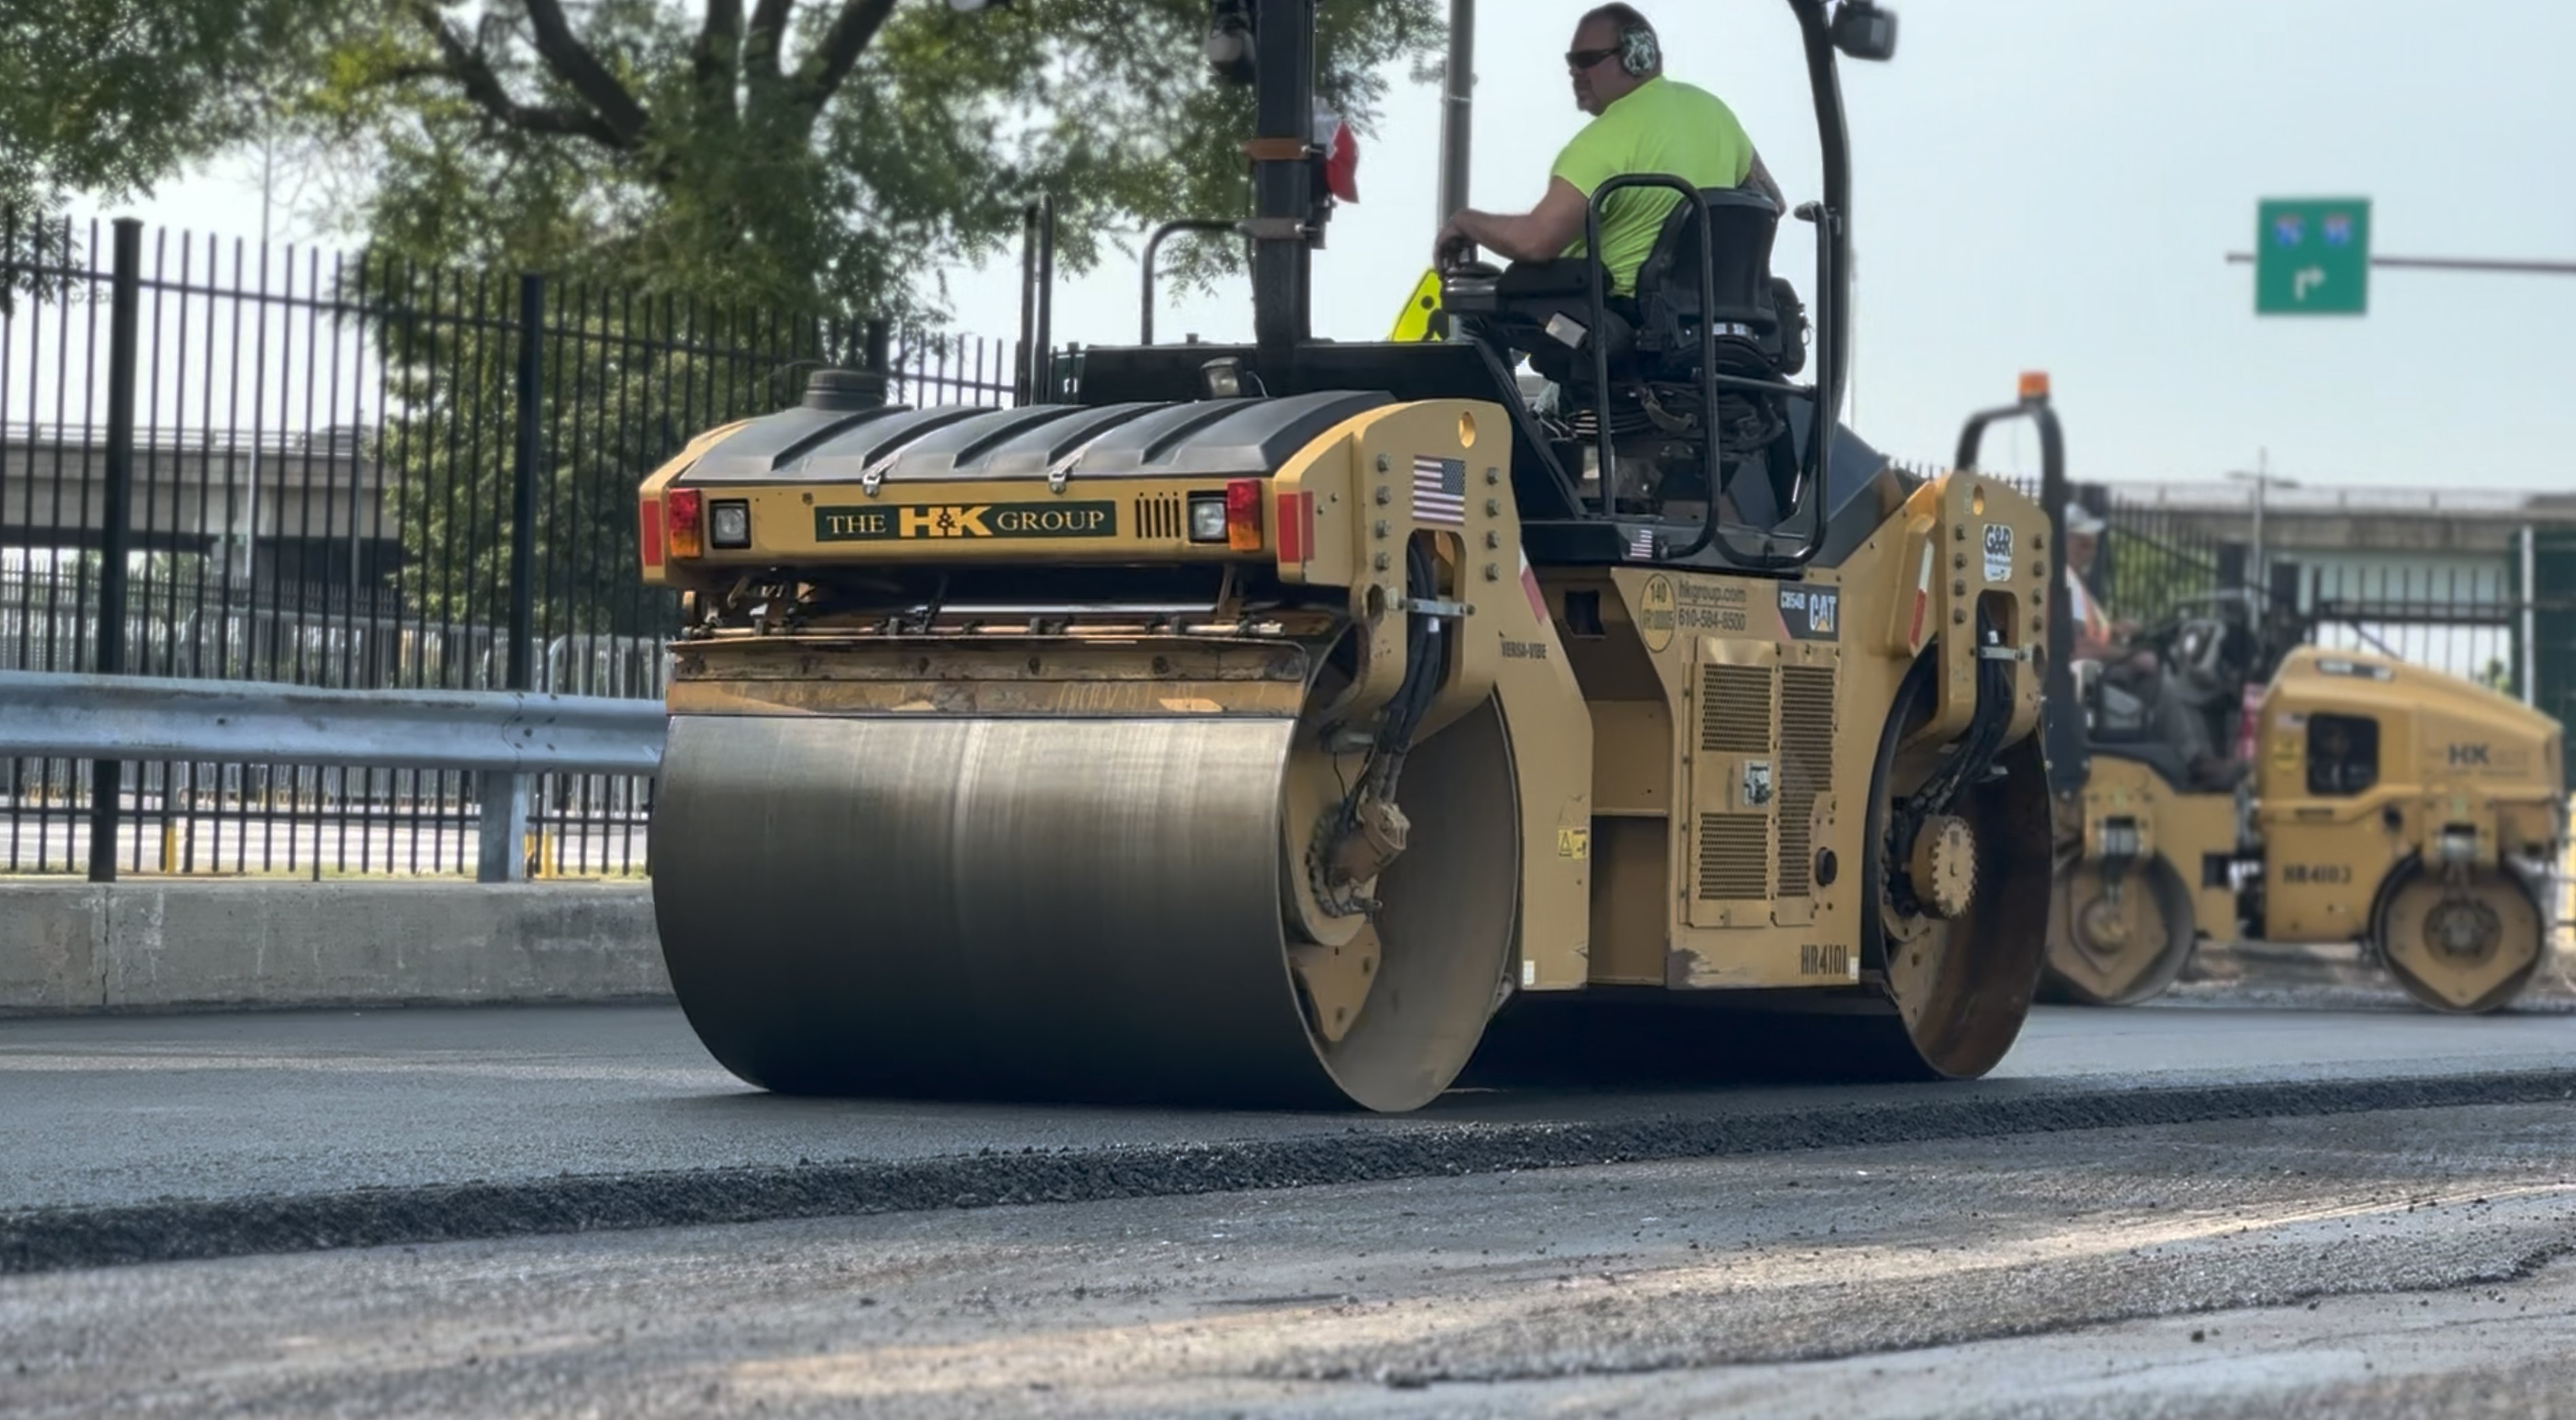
point(1453, 261)
point(2198, 658)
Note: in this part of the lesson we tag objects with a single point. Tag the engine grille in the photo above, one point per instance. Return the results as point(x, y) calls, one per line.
point(1735, 709)
point(1160, 515)
point(1806, 767)
point(1732, 850)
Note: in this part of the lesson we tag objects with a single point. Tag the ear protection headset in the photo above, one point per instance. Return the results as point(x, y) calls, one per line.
point(1639, 55)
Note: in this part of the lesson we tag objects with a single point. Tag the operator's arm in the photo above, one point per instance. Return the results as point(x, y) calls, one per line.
point(1760, 181)
point(1543, 232)
point(2094, 638)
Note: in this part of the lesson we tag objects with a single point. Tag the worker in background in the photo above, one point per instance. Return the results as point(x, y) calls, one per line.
point(1642, 122)
point(2097, 637)
point(2135, 670)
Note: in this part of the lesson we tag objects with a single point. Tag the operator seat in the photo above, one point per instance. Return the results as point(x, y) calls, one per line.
point(1755, 310)
point(2117, 726)
point(1544, 308)
point(1663, 409)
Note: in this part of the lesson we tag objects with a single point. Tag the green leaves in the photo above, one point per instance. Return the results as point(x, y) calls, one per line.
point(110, 96)
point(816, 154)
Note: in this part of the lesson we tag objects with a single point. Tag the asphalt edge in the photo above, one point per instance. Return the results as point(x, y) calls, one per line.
point(51, 1240)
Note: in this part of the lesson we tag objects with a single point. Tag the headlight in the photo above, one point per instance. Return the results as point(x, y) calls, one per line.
point(729, 524)
point(1207, 517)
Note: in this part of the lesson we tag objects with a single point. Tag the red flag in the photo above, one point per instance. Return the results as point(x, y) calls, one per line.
point(1341, 155)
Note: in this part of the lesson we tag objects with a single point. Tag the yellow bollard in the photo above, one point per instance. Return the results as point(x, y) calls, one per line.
point(540, 852)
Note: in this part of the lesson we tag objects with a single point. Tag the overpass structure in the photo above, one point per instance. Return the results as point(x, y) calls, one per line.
point(2460, 526)
point(282, 509)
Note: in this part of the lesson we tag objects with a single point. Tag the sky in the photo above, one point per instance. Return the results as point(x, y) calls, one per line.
point(2043, 184)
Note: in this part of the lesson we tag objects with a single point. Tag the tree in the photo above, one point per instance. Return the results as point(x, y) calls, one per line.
point(828, 154)
point(107, 98)
point(713, 193)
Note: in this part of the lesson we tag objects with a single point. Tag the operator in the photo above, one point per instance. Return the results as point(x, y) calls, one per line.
point(1642, 122)
point(2136, 670)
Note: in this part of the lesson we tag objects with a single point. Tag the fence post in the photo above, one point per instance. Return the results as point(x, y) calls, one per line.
point(116, 529)
point(2525, 655)
point(503, 817)
point(2231, 567)
point(2552, 607)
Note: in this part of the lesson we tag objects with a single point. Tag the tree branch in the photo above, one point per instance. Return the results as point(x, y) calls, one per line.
point(719, 45)
point(768, 38)
point(852, 29)
point(572, 59)
point(467, 67)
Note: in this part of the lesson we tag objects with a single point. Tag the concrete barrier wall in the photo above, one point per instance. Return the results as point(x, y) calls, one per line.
point(75, 947)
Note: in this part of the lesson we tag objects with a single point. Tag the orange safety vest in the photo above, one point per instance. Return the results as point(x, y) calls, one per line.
point(2088, 612)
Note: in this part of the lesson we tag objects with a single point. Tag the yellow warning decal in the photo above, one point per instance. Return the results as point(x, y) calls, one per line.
point(1414, 323)
point(1574, 843)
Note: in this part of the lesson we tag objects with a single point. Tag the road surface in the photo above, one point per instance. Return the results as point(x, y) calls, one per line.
point(2393, 1263)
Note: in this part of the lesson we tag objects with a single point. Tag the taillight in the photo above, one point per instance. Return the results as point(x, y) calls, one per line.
point(1243, 515)
point(648, 530)
point(681, 508)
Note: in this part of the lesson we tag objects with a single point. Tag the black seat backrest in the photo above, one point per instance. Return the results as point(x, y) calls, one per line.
point(1743, 224)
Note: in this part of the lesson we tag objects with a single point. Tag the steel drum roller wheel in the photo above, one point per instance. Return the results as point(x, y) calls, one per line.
point(2462, 941)
point(1962, 985)
point(1060, 909)
point(2103, 952)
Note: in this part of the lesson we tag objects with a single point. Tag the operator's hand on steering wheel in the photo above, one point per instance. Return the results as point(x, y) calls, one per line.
point(1453, 247)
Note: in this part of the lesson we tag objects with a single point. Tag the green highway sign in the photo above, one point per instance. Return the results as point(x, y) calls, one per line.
point(2312, 257)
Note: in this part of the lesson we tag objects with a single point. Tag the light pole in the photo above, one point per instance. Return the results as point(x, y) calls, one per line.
point(2264, 483)
point(1457, 105)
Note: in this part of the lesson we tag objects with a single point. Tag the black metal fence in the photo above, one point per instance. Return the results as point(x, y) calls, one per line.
point(223, 460)
point(2151, 562)
point(2467, 615)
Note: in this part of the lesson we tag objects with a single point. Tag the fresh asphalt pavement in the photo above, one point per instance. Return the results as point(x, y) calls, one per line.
point(107, 1111)
point(2382, 1263)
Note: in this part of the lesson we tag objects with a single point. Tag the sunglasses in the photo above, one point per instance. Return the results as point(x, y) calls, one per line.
point(1585, 58)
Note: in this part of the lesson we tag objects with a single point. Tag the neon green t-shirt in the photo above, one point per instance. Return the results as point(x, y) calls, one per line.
point(1662, 127)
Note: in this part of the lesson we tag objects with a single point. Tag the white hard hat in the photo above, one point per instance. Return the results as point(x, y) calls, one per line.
point(2081, 522)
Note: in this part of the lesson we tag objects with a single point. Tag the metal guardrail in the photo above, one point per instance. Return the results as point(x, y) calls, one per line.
point(138, 718)
point(505, 735)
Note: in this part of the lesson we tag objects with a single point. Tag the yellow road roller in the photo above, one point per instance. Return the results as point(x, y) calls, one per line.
point(1256, 725)
point(2416, 813)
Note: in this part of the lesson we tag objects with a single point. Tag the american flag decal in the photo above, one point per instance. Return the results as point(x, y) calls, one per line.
point(1641, 545)
point(1440, 491)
